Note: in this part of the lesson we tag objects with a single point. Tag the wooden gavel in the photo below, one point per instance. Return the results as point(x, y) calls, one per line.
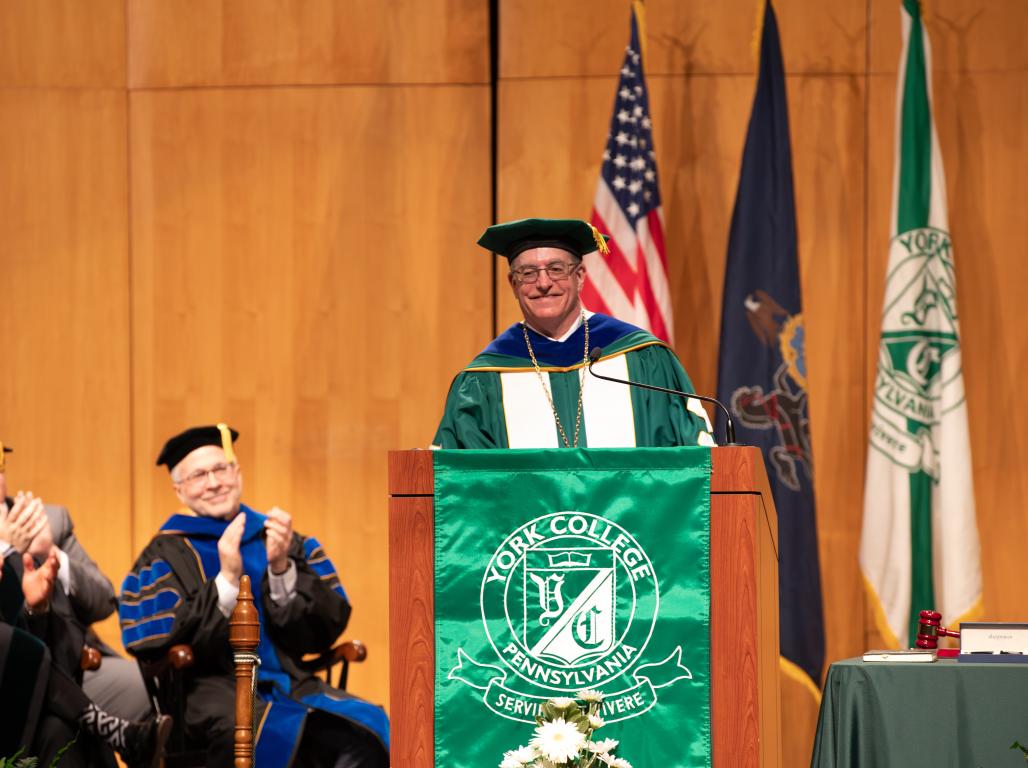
point(930, 629)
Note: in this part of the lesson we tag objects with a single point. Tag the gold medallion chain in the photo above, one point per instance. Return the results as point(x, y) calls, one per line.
point(546, 389)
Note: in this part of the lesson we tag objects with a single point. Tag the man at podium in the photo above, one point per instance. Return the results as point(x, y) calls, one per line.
point(530, 387)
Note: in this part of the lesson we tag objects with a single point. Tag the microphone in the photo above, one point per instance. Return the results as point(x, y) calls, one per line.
point(597, 352)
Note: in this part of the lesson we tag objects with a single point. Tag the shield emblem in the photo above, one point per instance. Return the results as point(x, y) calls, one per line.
point(569, 606)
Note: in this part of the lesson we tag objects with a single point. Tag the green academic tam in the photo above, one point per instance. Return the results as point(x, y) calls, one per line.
point(572, 235)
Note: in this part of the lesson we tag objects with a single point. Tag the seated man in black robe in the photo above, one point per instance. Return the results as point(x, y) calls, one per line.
point(184, 585)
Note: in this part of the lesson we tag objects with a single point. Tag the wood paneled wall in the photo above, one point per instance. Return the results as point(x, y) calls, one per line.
point(64, 265)
point(303, 187)
point(256, 212)
point(264, 212)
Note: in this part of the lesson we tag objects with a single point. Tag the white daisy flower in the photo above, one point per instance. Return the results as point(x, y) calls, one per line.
point(562, 702)
point(595, 721)
point(602, 747)
point(590, 696)
point(558, 740)
point(516, 758)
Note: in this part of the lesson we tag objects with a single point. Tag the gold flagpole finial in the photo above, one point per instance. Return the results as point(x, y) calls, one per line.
point(226, 442)
point(601, 243)
point(758, 32)
point(640, 20)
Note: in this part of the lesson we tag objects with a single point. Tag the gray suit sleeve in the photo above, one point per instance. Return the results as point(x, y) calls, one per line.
point(92, 595)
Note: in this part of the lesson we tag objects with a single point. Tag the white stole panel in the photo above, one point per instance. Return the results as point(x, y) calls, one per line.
point(530, 422)
point(608, 415)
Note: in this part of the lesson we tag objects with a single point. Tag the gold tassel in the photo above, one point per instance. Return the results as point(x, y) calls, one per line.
point(226, 442)
point(601, 244)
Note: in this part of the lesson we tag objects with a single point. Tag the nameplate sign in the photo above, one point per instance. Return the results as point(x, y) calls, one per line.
point(993, 637)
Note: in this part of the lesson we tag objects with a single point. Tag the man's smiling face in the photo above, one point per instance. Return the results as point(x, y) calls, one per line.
point(549, 305)
point(207, 483)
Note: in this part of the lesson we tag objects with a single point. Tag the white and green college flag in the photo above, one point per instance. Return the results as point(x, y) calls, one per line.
point(919, 544)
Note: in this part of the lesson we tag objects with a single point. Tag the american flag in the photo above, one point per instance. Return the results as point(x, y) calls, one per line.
point(630, 282)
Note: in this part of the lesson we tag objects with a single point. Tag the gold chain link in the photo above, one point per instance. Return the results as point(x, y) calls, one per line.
point(546, 389)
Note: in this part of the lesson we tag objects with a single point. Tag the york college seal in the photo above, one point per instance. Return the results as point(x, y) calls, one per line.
point(569, 601)
point(919, 363)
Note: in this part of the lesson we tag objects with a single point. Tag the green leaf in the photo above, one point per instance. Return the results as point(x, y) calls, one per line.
point(14, 760)
point(581, 723)
point(62, 750)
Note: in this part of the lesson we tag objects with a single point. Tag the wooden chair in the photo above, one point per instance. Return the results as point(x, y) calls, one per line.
point(165, 681)
point(91, 659)
point(244, 633)
point(164, 678)
point(338, 658)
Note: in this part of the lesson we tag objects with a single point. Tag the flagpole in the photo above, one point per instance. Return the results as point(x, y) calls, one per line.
point(494, 77)
point(640, 20)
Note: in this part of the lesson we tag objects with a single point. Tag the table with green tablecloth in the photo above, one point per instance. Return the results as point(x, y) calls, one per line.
point(943, 713)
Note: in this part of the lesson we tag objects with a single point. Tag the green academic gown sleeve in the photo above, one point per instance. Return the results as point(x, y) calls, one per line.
point(473, 416)
point(661, 420)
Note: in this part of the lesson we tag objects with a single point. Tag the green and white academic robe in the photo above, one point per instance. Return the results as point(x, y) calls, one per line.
point(498, 401)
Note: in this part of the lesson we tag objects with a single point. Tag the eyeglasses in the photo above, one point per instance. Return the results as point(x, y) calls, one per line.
point(557, 270)
point(197, 479)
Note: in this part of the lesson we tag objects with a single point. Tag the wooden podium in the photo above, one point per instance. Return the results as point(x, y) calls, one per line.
point(745, 709)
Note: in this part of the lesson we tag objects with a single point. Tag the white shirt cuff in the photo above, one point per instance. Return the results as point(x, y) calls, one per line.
point(227, 594)
point(5, 548)
point(64, 573)
point(283, 585)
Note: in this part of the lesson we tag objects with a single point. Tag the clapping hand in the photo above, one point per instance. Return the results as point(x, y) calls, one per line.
point(37, 584)
point(43, 542)
point(228, 550)
point(279, 529)
point(24, 522)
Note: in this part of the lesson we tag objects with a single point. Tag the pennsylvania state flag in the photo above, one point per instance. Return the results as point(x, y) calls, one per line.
point(762, 374)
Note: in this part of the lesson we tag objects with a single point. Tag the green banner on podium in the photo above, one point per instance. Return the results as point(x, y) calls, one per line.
point(563, 570)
